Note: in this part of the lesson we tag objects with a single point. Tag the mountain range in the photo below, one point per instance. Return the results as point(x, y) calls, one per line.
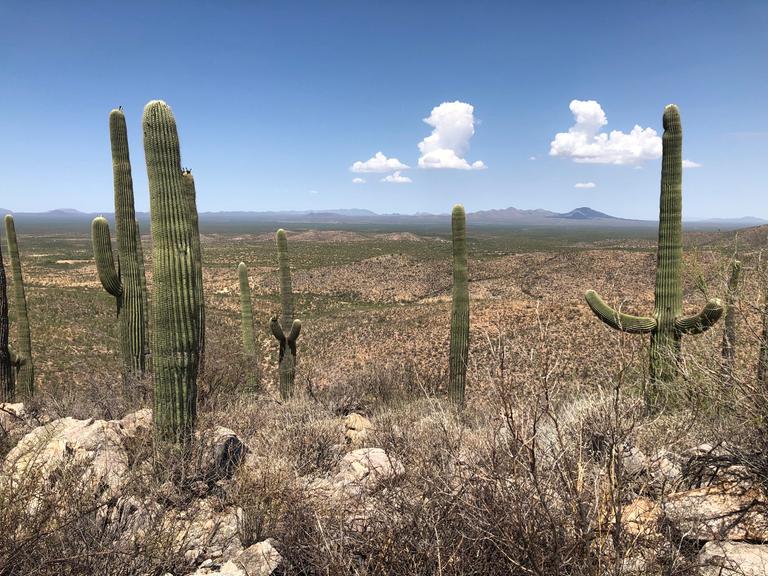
point(70, 219)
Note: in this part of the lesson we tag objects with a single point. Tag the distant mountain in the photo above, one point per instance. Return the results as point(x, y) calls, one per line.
point(586, 213)
point(69, 219)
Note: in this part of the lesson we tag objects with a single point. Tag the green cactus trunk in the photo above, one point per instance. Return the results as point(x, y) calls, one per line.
point(197, 254)
point(459, 354)
point(667, 325)
point(7, 380)
point(287, 354)
point(175, 312)
point(25, 371)
point(250, 352)
point(127, 282)
point(729, 330)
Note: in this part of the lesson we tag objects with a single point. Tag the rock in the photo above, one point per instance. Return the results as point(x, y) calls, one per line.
point(203, 530)
point(221, 451)
point(641, 517)
point(733, 558)
point(720, 512)
point(366, 468)
point(15, 422)
point(356, 429)
point(93, 450)
point(261, 559)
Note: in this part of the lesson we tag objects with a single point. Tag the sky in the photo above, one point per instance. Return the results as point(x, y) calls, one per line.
point(391, 106)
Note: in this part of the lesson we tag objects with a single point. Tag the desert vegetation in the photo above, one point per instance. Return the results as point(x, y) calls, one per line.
point(453, 406)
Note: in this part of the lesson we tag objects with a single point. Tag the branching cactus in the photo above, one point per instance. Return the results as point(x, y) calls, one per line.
point(246, 323)
point(7, 379)
point(287, 357)
point(729, 332)
point(197, 255)
point(126, 282)
point(175, 312)
point(22, 358)
point(667, 324)
point(459, 308)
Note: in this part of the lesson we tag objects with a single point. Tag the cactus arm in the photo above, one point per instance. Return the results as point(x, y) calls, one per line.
point(105, 261)
point(277, 331)
point(293, 336)
point(619, 320)
point(7, 378)
point(702, 321)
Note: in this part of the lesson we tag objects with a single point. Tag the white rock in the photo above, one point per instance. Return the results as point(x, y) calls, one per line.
point(732, 559)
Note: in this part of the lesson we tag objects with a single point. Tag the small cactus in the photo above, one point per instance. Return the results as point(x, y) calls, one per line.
point(246, 324)
point(175, 309)
point(287, 355)
point(459, 309)
point(729, 331)
point(126, 282)
point(22, 358)
point(667, 324)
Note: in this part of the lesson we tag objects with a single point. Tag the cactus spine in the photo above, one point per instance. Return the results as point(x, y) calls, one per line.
point(667, 324)
point(175, 312)
point(459, 308)
point(729, 332)
point(287, 354)
point(25, 371)
point(126, 282)
point(7, 380)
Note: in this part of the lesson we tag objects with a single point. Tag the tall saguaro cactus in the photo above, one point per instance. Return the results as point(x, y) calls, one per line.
point(729, 332)
point(287, 355)
point(126, 282)
point(246, 324)
point(197, 255)
point(25, 371)
point(7, 380)
point(459, 308)
point(667, 324)
point(175, 313)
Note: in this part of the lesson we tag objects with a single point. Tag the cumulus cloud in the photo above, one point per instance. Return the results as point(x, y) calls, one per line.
point(584, 142)
point(358, 180)
point(378, 163)
point(397, 178)
point(691, 164)
point(584, 185)
point(453, 125)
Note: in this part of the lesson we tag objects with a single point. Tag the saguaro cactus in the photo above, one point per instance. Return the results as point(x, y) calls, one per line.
point(197, 255)
point(25, 371)
point(246, 323)
point(7, 380)
point(729, 332)
point(175, 313)
point(126, 282)
point(287, 356)
point(667, 324)
point(459, 308)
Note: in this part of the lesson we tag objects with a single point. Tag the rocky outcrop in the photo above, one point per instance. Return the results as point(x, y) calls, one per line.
point(733, 559)
point(260, 559)
point(356, 429)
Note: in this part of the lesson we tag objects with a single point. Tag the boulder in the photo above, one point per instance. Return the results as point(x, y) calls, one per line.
point(261, 559)
point(732, 559)
point(221, 452)
point(725, 511)
point(366, 469)
point(356, 429)
point(15, 422)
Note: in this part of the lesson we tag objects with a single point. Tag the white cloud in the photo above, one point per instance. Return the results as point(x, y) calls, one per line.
point(584, 185)
point(358, 180)
point(585, 143)
point(532, 158)
point(378, 163)
point(453, 126)
point(691, 164)
point(313, 192)
point(397, 178)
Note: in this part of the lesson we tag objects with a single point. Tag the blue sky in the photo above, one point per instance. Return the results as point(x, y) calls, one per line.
point(276, 101)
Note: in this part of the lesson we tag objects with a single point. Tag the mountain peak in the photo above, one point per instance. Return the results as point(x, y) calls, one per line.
point(586, 213)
